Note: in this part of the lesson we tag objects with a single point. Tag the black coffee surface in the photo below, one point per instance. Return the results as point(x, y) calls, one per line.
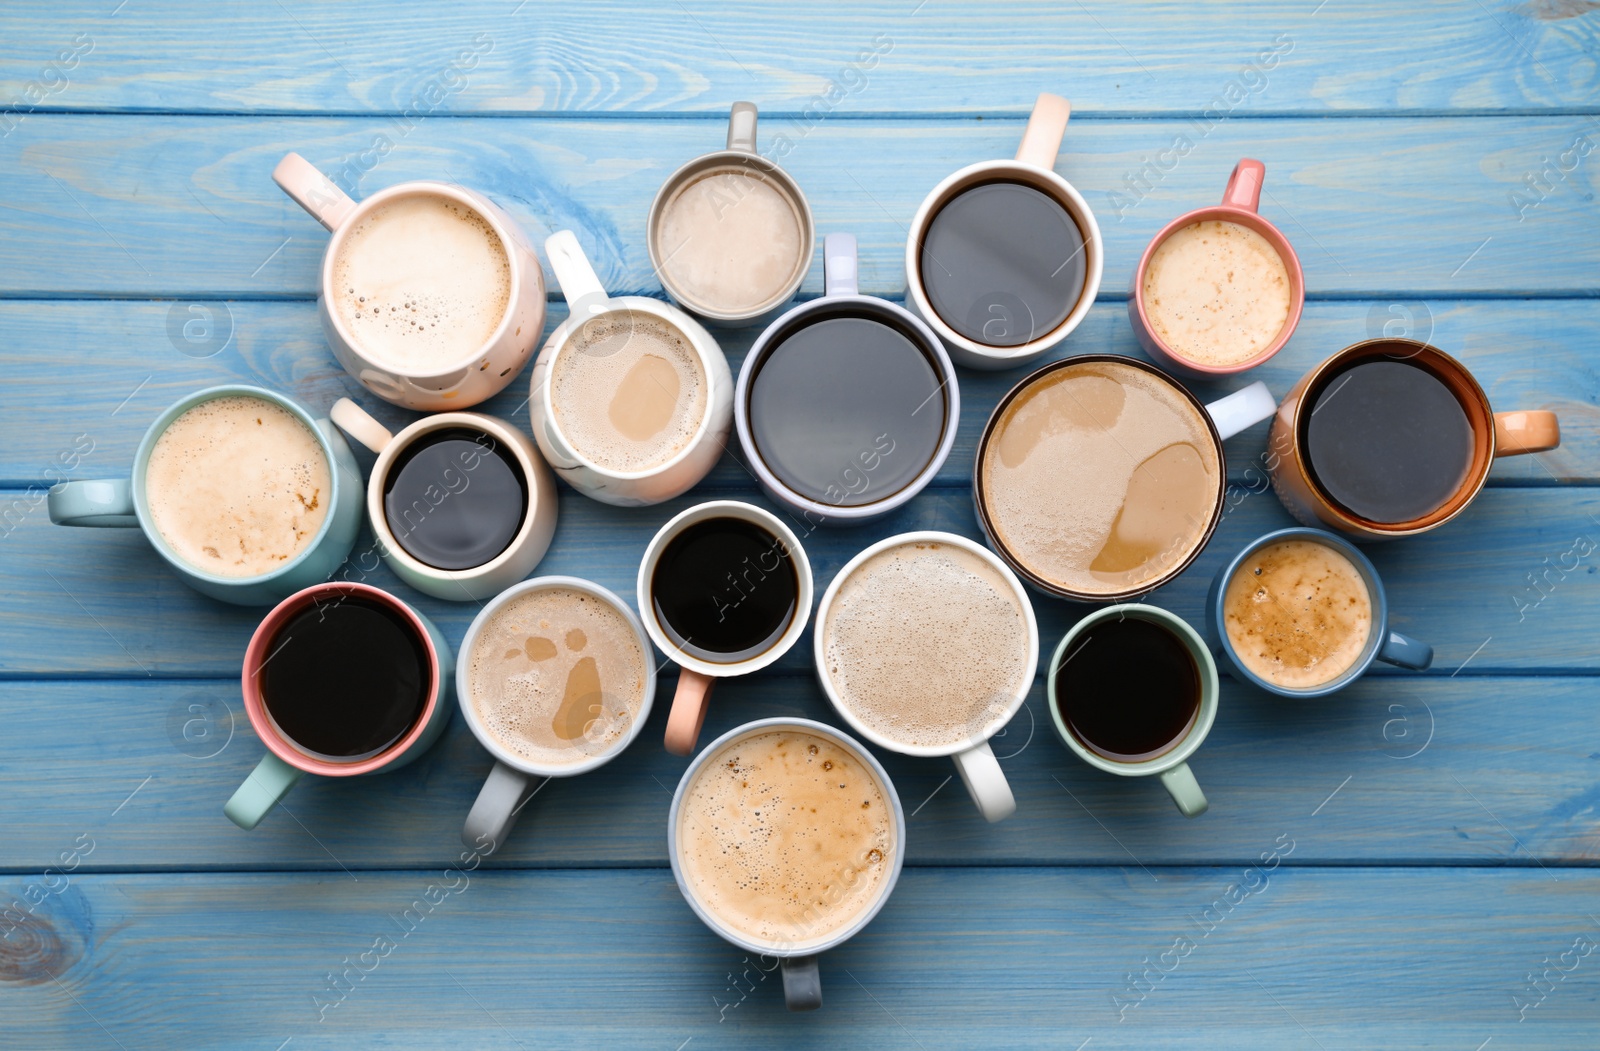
point(455, 499)
point(847, 410)
point(1003, 263)
point(346, 679)
point(1128, 689)
point(1388, 441)
point(725, 590)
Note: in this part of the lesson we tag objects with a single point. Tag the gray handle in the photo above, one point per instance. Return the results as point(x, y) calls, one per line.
point(742, 127)
point(802, 983)
point(839, 265)
point(495, 810)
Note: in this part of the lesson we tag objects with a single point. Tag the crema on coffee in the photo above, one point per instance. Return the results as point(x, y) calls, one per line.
point(730, 241)
point(1217, 292)
point(1298, 613)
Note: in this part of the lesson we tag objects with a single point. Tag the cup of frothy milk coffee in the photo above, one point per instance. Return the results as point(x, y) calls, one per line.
point(786, 838)
point(730, 234)
point(631, 399)
point(247, 495)
point(430, 295)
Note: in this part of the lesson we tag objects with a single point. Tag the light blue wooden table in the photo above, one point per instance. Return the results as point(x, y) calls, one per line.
point(1437, 834)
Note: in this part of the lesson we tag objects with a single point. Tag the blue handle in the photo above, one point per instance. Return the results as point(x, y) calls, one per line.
point(93, 502)
point(1405, 651)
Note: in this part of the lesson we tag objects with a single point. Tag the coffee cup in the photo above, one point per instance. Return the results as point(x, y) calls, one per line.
point(429, 295)
point(926, 644)
point(1219, 290)
point(340, 680)
point(847, 405)
point(556, 677)
point(1301, 613)
point(461, 504)
point(724, 589)
point(631, 399)
point(741, 879)
point(1390, 438)
point(1133, 692)
point(300, 486)
point(1098, 477)
point(1003, 258)
point(730, 233)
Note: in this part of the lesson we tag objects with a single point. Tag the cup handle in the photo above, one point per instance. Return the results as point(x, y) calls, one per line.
point(986, 782)
point(1534, 431)
point(584, 293)
point(308, 187)
point(802, 983)
point(742, 127)
point(495, 810)
point(688, 714)
point(92, 502)
point(1244, 186)
point(1405, 652)
point(1243, 408)
point(1185, 790)
point(839, 268)
point(1041, 140)
point(359, 424)
point(269, 782)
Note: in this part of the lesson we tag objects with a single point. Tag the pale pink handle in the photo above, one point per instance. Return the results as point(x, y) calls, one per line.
point(1244, 185)
point(1041, 140)
point(315, 192)
point(688, 713)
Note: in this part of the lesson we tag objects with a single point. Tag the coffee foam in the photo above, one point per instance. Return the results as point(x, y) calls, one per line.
point(1298, 613)
point(926, 644)
point(1217, 292)
point(238, 486)
point(557, 676)
point(785, 837)
point(1100, 478)
point(421, 283)
point(628, 390)
point(730, 240)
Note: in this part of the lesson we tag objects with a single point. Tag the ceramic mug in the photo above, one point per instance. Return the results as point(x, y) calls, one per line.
point(1033, 167)
point(1494, 434)
point(1240, 205)
point(478, 375)
point(973, 757)
point(841, 298)
point(526, 547)
point(286, 762)
point(513, 777)
point(123, 502)
point(802, 979)
point(589, 303)
point(1171, 766)
point(1382, 644)
point(756, 253)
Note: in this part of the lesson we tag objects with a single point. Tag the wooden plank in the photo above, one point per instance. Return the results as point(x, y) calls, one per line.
point(1328, 958)
point(1375, 207)
point(1400, 771)
point(1110, 58)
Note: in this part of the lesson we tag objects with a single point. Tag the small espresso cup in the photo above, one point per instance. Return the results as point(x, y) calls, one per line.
point(465, 494)
point(995, 262)
point(515, 775)
point(126, 502)
point(742, 564)
point(847, 405)
point(797, 938)
point(974, 759)
point(640, 445)
point(509, 311)
point(1267, 254)
point(730, 233)
point(1343, 584)
point(1171, 763)
point(1386, 442)
point(297, 622)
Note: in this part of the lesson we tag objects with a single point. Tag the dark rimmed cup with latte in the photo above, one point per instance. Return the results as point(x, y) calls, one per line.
point(846, 406)
point(1099, 478)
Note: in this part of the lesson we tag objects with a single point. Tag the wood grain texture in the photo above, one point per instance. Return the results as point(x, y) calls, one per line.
point(1377, 207)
